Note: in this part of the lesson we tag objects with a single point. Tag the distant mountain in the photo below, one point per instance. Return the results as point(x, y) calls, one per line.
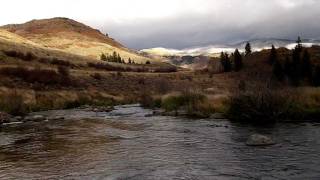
point(73, 37)
point(189, 62)
point(215, 50)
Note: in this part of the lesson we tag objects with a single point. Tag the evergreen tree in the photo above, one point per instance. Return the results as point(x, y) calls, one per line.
point(223, 60)
point(273, 55)
point(287, 66)
point(299, 44)
point(119, 60)
point(296, 67)
point(228, 66)
point(103, 57)
point(316, 77)
point(278, 71)
point(237, 60)
point(306, 67)
point(248, 49)
point(114, 56)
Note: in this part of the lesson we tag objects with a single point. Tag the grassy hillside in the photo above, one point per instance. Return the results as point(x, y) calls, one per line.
point(71, 37)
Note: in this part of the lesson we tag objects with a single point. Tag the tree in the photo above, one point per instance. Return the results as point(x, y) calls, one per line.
point(316, 77)
point(225, 62)
point(103, 57)
point(278, 71)
point(296, 66)
point(119, 60)
point(248, 49)
point(237, 60)
point(129, 61)
point(299, 44)
point(273, 55)
point(306, 67)
point(148, 62)
point(228, 66)
point(114, 57)
point(287, 66)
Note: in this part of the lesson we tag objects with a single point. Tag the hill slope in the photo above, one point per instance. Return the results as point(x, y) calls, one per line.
point(72, 37)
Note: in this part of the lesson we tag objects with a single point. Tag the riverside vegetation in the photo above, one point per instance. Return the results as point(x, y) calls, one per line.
point(266, 86)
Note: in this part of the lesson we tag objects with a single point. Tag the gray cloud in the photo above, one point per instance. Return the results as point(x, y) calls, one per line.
point(178, 23)
point(229, 21)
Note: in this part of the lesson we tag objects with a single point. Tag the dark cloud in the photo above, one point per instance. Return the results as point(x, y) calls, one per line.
point(178, 23)
point(229, 23)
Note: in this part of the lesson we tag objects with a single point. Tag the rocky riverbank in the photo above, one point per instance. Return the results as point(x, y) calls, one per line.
point(6, 118)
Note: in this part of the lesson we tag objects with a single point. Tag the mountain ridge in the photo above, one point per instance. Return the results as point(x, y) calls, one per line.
point(215, 50)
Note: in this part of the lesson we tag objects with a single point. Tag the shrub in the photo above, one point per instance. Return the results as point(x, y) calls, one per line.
point(124, 68)
point(258, 107)
point(165, 69)
point(104, 66)
point(13, 104)
point(29, 56)
point(146, 100)
point(193, 102)
point(172, 103)
point(37, 75)
point(59, 62)
point(96, 76)
point(64, 71)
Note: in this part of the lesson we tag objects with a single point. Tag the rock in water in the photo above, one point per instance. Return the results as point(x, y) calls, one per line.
point(259, 140)
point(4, 118)
point(36, 118)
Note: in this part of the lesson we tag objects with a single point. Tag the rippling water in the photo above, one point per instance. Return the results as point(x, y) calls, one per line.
point(124, 144)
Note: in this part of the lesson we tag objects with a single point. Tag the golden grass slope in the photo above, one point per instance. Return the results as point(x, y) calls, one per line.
point(71, 37)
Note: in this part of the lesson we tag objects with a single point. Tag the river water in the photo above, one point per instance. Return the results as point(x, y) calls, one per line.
point(125, 144)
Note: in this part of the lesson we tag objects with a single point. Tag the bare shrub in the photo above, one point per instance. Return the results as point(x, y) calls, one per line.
point(64, 71)
point(163, 86)
point(59, 62)
point(261, 106)
point(96, 76)
point(193, 102)
point(29, 56)
point(37, 75)
point(127, 68)
point(13, 104)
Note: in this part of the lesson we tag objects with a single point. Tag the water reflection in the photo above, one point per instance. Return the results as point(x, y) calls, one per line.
point(124, 144)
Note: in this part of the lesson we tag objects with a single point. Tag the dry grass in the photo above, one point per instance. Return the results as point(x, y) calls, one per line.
point(69, 37)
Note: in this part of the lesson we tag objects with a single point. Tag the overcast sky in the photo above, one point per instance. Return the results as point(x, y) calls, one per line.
point(178, 23)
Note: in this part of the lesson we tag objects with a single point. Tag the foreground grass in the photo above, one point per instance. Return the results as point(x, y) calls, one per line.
point(19, 104)
point(188, 102)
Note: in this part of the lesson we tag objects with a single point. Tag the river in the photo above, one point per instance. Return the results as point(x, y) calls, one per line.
point(127, 144)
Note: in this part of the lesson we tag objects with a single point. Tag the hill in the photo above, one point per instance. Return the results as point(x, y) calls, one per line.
point(72, 37)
